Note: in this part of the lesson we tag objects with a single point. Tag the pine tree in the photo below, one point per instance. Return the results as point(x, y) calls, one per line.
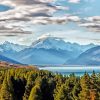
point(7, 92)
point(28, 87)
point(58, 94)
point(94, 88)
point(62, 94)
point(85, 85)
point(98, 85)
point(35, 93)
point(76, 90)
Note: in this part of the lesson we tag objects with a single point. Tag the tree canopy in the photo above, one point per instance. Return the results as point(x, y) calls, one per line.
point(34, 84)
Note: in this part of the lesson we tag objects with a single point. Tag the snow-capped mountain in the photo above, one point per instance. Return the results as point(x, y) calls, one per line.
point(45, 50)
point(89, 57)
point(7, 46)
point(10, 50)
point(51, 50)
point(49, 42)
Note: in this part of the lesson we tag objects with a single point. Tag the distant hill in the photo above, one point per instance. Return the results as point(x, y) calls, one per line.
point(3, 58)
point(43, 56)
point(89, 57)
point(6, 65)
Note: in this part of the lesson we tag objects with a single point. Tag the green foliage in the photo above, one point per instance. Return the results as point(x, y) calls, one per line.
point(34, 84)
point(35, 93)
point(62, 94)
point(85, 85)
point(7, 92)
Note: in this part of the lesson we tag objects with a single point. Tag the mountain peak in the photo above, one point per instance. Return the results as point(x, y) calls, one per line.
point(6, 42)
point(49, 42)
point(44, 36)
point(48, 36)
point(8, 46)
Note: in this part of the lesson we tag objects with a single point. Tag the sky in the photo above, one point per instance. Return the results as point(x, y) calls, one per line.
point(24, 21)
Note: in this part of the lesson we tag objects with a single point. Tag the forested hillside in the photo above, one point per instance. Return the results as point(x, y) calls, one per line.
point(33, 84)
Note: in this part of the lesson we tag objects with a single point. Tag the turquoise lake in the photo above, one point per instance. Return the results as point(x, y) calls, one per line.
point(79, 71)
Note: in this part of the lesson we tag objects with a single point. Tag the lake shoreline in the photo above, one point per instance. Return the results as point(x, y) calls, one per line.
point(78, 71)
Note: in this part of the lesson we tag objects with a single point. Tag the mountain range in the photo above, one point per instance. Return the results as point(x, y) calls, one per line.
point(52, 50)
point(89, 57)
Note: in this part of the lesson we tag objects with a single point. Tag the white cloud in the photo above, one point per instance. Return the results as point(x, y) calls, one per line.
point(74, 1)
point(91, 23)
point(24, 10)
point(33, 12)
point(29, 11)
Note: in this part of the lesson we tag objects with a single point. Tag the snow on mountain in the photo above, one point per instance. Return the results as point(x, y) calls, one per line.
point(10, 50)
point(7, 46)
point(51, 50)
point(49, 42)
point(45, 50)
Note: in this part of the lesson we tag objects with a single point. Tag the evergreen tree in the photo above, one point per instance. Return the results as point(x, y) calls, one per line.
point(94, 87)
point(7, 92)
point(32, 84)
point(62, 94)
point(85, 85)
point(76, 90)
point(35, 93)
point(28, 87)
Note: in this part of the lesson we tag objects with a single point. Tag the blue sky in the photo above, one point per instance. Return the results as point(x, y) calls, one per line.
point(24, 21)
point(4, 8)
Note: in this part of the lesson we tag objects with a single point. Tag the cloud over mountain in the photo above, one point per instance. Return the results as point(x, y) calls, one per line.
point(36, 17)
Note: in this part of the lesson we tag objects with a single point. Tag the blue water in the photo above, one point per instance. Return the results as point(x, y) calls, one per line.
point(78, 71)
